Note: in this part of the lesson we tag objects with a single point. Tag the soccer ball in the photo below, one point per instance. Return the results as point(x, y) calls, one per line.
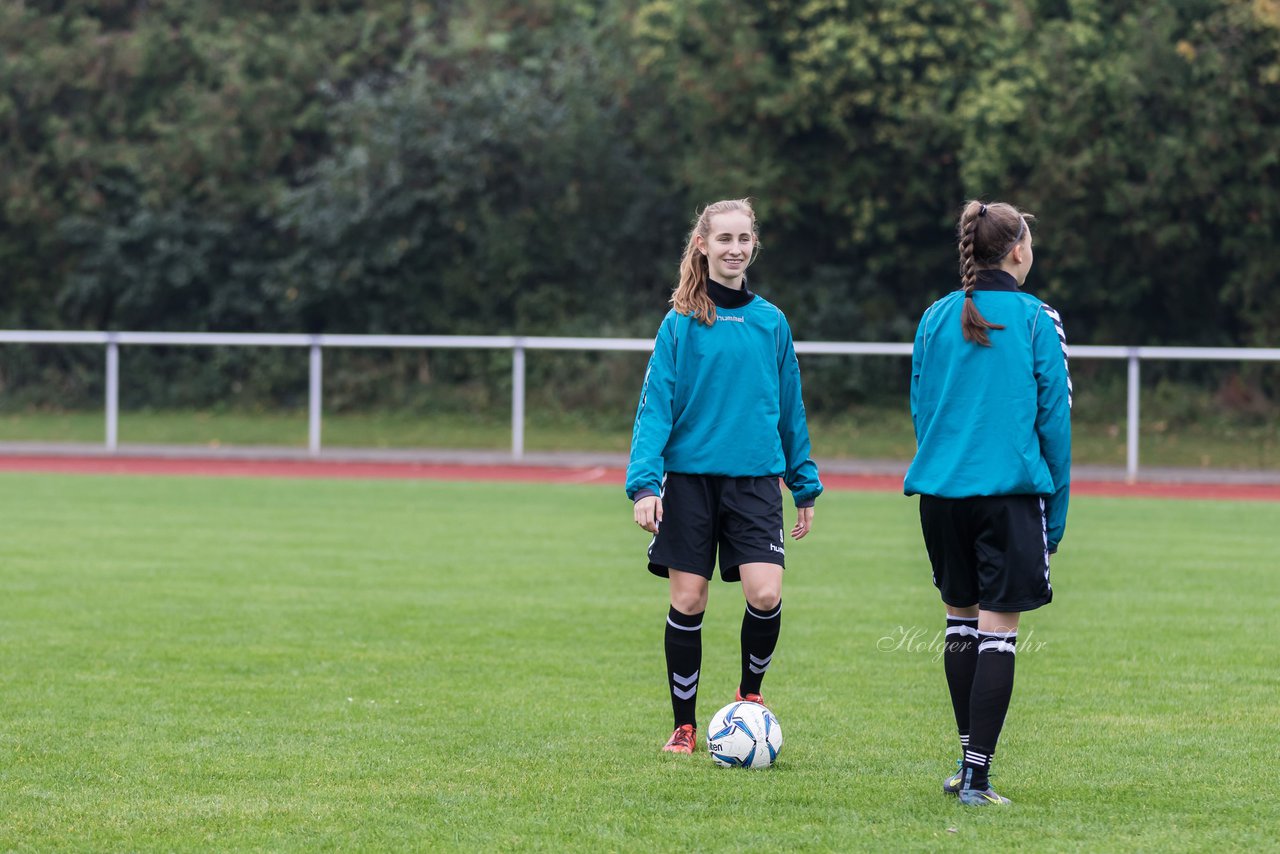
point(744, 735)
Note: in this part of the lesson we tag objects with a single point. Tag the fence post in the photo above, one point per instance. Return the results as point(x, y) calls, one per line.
point(313, 398)
point(517, 399)
point(113, 393)
point(1131, 456)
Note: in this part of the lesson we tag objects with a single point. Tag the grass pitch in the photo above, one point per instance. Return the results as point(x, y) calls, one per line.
point(235, 664)
point(867, 433)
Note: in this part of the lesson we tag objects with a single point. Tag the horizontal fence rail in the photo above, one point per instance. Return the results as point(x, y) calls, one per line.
point(519, 345)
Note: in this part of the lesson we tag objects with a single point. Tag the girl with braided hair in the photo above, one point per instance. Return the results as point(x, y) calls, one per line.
point(991, 403)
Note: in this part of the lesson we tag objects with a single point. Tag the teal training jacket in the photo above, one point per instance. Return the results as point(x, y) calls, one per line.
point(993, 420)
point(723, 400)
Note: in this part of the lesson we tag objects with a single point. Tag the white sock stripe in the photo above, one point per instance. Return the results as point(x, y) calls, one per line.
point(684, 695)
point(685, 681)
point(996, 646)
point(676, 625)
point(769, 616)
point(761, 661)
point(976, 758)
point(757, 670)
point(963, 631)
point(998, 642)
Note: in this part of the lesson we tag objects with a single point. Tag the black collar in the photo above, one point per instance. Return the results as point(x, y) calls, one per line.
point(995, 280)
point(728, 297)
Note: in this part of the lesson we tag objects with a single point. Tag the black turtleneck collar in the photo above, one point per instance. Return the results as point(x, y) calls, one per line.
point(728, 297)
point(995, 280)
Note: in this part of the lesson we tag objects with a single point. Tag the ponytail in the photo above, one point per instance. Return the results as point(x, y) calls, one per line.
point(690, 295)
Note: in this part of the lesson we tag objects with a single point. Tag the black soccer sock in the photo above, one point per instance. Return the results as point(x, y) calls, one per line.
point(992, 688)
point(759, 638)
point(684, 662)
point(959, 659)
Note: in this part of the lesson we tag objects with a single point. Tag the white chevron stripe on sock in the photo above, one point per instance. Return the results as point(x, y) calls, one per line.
point(685, 681)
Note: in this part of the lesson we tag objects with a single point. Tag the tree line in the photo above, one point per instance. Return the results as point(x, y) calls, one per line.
point(494, 167)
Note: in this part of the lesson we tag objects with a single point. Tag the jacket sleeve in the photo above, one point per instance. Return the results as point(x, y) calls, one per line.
point(917, 361)
point(1053, 415)
point(802, 473)
point(654, 414)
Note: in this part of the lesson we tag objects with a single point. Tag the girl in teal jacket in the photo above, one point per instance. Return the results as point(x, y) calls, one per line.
point(991, 402)
point(720, 420)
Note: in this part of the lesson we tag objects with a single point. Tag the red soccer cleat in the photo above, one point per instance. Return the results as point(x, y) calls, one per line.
point(748, 698)
point(682, 740)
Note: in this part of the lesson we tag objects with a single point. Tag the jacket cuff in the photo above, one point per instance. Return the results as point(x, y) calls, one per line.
point(806, 502)
point(643, 493)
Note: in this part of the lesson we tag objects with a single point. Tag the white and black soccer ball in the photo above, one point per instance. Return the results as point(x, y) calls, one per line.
point(744, 735)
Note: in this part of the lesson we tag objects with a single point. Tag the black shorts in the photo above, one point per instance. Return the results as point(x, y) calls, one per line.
point(742, 516)
point(989, 551)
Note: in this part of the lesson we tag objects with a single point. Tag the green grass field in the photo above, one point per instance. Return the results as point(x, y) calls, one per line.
point(869, 433)
point(232, 664)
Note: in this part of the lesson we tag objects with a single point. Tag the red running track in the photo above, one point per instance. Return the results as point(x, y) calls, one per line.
point(539, 474)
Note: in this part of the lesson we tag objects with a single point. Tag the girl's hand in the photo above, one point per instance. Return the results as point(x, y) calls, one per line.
point(649, 513)
point(804, 522)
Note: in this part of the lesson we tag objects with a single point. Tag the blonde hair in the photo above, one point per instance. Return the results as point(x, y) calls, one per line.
point(690, 295)
point(987, 233)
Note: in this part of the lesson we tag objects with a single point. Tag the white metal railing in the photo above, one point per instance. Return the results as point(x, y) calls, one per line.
point(519, 345)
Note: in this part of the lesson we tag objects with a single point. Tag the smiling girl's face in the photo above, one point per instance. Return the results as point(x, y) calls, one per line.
point(728, 247)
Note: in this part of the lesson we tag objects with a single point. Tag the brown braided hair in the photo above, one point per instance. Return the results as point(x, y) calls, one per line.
point(987, 233)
